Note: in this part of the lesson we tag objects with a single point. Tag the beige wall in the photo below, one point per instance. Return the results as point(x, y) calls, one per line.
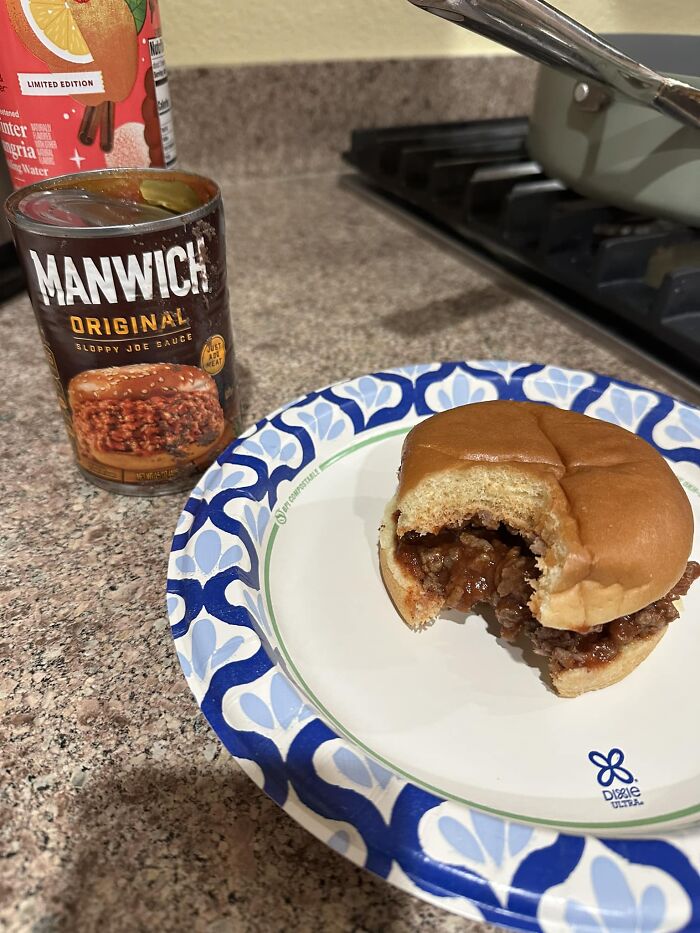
point(245, 31)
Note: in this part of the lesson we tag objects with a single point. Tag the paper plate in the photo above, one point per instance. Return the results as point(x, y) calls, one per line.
point(441, 761)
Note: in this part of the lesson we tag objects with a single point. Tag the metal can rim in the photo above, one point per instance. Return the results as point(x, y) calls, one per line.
point(18, 219)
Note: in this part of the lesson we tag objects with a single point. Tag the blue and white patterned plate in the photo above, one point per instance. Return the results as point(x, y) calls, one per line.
point(439, 761)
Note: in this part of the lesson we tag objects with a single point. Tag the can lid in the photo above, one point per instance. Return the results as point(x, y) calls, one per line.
point(74, 207)
point(115, 201)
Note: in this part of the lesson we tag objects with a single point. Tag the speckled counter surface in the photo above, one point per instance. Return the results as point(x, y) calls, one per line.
point(119, 810)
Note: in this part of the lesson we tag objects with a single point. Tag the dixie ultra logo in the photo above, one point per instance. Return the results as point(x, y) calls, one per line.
point(619, 784)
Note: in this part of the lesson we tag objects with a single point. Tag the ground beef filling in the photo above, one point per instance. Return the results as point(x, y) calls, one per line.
point(152, 425)
point(483, 562)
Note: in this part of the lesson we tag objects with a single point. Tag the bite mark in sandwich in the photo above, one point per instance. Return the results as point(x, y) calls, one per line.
point(574, 530)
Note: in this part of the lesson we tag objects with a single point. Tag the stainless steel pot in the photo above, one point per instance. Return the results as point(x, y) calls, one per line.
point(611, 128)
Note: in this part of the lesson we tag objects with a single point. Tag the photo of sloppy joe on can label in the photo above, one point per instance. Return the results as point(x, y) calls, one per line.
point(145, 416)
point(127, 275)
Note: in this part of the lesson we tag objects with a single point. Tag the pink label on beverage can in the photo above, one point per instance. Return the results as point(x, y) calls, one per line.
point(83, 85)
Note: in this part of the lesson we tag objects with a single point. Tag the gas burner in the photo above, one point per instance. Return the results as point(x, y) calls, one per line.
point(637, 276)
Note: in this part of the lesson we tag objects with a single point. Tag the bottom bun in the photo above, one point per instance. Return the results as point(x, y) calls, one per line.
point(189, 454)
point(419, 610)
point(584, 679)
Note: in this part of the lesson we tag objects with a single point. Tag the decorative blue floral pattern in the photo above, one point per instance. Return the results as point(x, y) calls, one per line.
point(556, 386)
point(607, 892)
point(284, 707)
point(506, 368)
point(322, 422)
point(689, 428)
point(257, 611)
point(369, 392)
point(681, 428)
point(614, 899)
point(524, 877)
point(269, 443)
point(626, 407)
point(460, 388)
point(412, 372)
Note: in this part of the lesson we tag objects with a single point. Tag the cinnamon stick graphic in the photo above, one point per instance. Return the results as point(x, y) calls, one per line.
point(88, 126)
point(107, 126)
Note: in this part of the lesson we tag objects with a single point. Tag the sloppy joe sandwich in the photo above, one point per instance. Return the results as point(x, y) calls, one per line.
point(148, 416)
point(576, 532)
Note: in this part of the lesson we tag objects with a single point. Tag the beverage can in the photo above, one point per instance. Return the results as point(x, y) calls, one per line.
point(126, 270)
point(83, 86)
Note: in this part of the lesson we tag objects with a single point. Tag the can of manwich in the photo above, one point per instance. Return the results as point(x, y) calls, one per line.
point(126, 271)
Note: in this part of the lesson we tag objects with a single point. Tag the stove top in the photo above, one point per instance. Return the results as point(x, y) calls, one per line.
point(638, 277)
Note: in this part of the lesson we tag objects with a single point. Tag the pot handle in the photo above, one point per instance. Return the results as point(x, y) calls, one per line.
point(539, 31)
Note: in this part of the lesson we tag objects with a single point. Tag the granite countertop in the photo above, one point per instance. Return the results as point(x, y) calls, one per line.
point(119, 808)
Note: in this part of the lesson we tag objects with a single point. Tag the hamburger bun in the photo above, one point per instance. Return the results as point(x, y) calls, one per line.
point(584, 679)
point(613, 526)
point(194, 454)
point(416, 607)
point(167, 415)
point(139, 380)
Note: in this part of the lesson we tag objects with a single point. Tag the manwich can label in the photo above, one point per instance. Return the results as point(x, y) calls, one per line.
point(134, 319)
point(83, 85)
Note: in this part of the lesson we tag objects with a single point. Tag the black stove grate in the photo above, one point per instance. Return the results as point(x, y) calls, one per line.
point(638, 276)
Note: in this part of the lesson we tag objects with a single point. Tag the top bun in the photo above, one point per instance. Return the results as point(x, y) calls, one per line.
point(141, 380)
point(615, 527)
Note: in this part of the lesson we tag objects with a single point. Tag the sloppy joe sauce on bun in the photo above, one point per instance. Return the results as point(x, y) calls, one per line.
point(576, 531)
point(147, 416)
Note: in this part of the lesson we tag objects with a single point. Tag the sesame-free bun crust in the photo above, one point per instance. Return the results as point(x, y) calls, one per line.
point(615, 524)
point(419, 609)
point(194, 454)
point(580, 680)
